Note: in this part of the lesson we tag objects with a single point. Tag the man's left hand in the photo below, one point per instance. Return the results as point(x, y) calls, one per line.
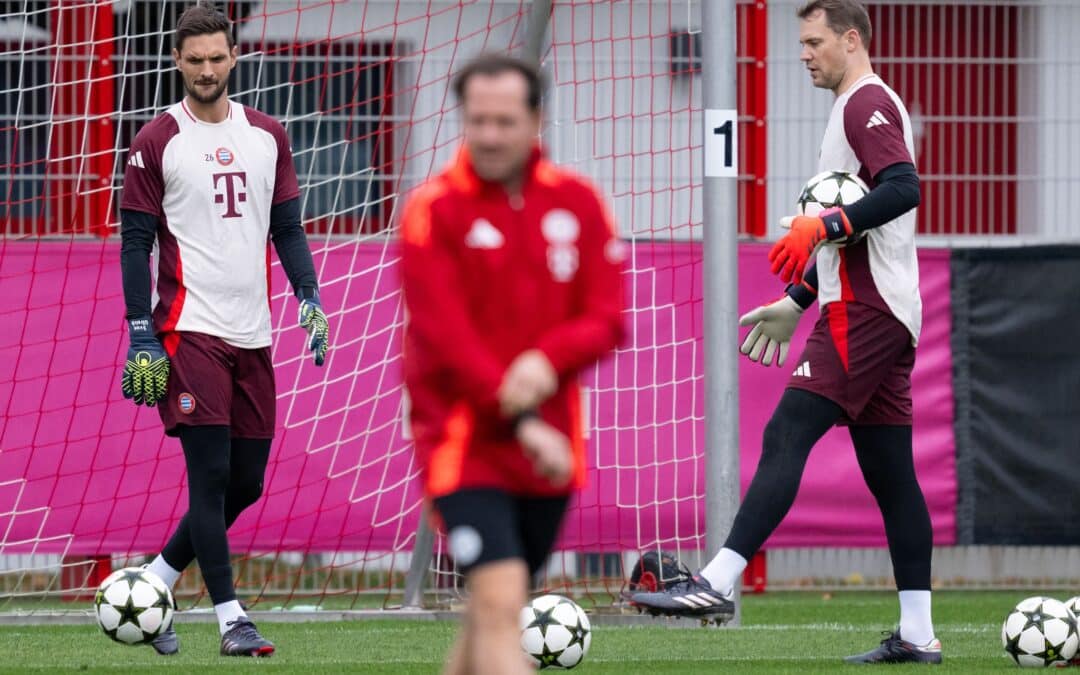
point(791, 254)
point(313, 320)
point(529, 381)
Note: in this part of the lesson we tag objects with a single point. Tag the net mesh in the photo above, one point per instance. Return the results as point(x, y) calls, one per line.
point(363, 90)
point(87, 482)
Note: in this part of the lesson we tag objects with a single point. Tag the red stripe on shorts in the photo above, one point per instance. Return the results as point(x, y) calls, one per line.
point(838, 327)
point(171, 342)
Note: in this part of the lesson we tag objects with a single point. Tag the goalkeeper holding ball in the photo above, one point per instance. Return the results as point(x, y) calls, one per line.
point(511, 271)
point(856, 368)
point(211, 182)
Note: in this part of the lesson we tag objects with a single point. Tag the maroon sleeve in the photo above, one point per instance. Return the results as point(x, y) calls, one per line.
point(598, 327)
point(875, 130)
point(144, 180)
point(286, 186)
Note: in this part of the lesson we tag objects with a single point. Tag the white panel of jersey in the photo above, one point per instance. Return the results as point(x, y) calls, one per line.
point(219, 186)
point(892, 260)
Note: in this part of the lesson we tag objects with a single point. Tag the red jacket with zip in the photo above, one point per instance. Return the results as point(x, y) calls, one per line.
point(487, 276)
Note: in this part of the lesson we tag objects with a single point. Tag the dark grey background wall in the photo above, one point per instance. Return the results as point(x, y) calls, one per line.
point(1016, 360)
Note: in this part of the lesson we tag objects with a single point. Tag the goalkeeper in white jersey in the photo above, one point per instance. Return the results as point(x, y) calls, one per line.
point(211, 183)
point(856, 367)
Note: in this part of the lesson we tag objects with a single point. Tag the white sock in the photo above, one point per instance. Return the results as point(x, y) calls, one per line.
point(915, 624)
point(723, 570)
point(163, 570)
point(226, 612)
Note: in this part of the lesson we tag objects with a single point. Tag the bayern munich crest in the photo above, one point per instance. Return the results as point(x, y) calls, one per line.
point(186, 402)
point(560, 227)
point(224, 156)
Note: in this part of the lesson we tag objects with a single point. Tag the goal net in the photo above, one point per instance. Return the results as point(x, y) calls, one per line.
point(87, 480)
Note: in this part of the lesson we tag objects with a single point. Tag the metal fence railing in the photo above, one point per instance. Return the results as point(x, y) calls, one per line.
point(992, 87)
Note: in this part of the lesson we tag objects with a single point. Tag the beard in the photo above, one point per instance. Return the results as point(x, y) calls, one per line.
point(213, 96)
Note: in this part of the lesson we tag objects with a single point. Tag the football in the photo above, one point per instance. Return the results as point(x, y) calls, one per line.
point(1040, 632)
point(133, 606)
point(555, 632)
point(1073, 604)
point(829, 189)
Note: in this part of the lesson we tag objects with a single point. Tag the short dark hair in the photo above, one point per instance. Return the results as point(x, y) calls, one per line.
point(497, 64)
point(841, 16)
point(202, 19)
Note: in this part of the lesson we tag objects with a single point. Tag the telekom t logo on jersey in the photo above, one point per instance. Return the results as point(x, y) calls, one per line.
point(233, 194)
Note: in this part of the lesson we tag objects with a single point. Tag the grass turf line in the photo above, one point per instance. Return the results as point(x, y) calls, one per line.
point(796, 632)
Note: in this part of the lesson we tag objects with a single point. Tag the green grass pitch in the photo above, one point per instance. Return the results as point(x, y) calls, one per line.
point(783, 632)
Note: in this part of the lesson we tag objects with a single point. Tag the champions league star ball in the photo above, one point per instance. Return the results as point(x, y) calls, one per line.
point(1040, 632)
point(555, 632)
point(1073, 604)
point(829, 189)
point(133, 606)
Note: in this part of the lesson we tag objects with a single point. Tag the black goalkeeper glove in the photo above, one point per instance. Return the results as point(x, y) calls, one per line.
point(146, 370)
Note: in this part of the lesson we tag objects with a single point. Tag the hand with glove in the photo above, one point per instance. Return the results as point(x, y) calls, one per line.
point(791, 254)
point(146, 369)
point(773, 326)
point(313, 320)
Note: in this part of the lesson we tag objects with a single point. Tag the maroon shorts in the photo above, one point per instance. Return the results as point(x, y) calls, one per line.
point(214, 383)
point(861, 359)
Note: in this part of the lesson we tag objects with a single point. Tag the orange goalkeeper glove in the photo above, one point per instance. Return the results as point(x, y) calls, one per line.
point(791, 254)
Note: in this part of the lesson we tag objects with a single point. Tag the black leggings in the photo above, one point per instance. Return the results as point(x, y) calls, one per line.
point(225, 476)
point(884, 454)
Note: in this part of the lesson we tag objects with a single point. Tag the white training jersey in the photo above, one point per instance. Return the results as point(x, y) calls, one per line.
point(869, 130)
point(211, 186)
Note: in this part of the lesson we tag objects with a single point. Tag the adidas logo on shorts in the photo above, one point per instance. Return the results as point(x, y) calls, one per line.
point(803, 370)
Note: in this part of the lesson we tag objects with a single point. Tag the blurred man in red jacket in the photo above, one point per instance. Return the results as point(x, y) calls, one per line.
point(512, 277)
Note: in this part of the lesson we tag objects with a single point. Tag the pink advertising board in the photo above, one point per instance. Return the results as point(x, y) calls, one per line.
point(82, 471)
